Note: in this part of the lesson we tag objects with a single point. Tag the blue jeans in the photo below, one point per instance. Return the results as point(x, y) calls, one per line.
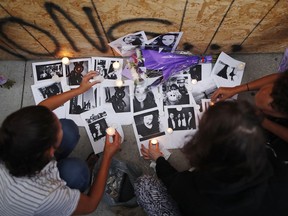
point(72, 170)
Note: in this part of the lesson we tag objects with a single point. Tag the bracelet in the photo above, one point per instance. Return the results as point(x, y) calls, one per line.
point(247, 87)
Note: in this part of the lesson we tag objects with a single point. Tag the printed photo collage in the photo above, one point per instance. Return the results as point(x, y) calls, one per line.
point(168, 112)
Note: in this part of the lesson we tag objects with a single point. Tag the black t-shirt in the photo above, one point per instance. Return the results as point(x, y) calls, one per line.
point(198, 193)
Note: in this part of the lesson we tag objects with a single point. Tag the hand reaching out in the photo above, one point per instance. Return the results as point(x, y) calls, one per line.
point(223, 93)
point(86, 84)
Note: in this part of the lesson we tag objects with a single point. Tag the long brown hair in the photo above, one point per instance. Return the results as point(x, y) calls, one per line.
point(229, 142)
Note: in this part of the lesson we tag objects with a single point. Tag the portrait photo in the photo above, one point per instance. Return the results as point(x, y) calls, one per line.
point(76, 69)
point(175, 91)
point(144, 97)
point(98, 129)
point(43, 71)
point(166, 42)
point(96, 121)
point(127, 44)
point(148, 125)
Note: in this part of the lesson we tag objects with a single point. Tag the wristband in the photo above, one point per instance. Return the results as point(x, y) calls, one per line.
point(247, 87)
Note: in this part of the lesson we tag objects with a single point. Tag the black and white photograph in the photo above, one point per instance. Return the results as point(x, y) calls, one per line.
point(175, 91)
point(50, 90)
point(98, 129)
point(195, 72)
point(96, 121)
point(43, 71)
point(127, 44)
point(181, 119)
point(167, 42)
point(76, 69)
point(82, 103)
point(148, 125)
point(118, 97)
point(227, 71)
point(118, 100)
point(104, 66)
point(46, 89)
point(144, 97)
point(203, 90)
point(180, 122)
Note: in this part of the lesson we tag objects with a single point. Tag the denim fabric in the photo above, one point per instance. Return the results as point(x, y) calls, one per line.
point(70, 138)
point(73, 170)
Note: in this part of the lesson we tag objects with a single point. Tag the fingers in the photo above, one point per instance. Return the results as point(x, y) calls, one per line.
point(90, 75)
point(145, 152)
point(215, 95)
point(116, 138)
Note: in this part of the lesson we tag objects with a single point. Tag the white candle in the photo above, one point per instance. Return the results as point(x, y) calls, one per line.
point(119, 83)
point(194, 81)
point(116, 65)
point(169, 130)
point(241, 66)
point(154, 141)
point(65, 60)
point(110, 131)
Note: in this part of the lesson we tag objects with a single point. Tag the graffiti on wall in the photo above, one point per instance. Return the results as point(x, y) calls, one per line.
point(98, 42)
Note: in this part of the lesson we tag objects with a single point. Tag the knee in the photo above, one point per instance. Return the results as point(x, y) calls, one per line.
point(70, 130)
point(75, 172)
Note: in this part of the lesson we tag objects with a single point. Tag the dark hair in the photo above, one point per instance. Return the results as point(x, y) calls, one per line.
point(160, 43)
point(280, 94)
point(136, 41)
point(25, 137)
point(229, 143)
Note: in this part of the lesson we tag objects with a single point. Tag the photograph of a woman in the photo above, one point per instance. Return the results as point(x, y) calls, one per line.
point(148, 125)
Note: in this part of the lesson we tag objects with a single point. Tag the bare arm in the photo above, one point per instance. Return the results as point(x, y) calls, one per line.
point(58, 100)
point(278, 130)
point(88, 203)
point(224, 93)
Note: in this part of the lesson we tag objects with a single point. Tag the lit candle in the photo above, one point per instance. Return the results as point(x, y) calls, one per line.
point(110, 131)
point(211, 103)
point(154, 141)
point(65, 60)
point(154, 144)
point(170, 130)
point(119, 83)
point(194, 81)
point(116, 65)
point(241, 66)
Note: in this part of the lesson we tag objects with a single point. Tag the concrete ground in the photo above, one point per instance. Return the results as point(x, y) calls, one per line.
point(20, 95)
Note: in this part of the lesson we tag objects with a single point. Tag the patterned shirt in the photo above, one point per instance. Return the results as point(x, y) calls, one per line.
point(43, 194)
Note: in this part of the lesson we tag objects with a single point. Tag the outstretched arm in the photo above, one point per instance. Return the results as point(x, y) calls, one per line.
point(88, 203)
point(57, 100)
point(278, 130)
point(224, 93)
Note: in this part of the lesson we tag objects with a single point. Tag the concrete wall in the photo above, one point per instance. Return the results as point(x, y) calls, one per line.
point(37, 29)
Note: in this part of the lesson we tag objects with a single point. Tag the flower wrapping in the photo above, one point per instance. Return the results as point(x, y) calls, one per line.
point(284, 62)
point(171, 63)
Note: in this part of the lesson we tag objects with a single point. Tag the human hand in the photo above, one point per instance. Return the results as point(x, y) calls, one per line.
point(111, 148)
point(151, 153)
point(223, 93)
point(86, 84)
